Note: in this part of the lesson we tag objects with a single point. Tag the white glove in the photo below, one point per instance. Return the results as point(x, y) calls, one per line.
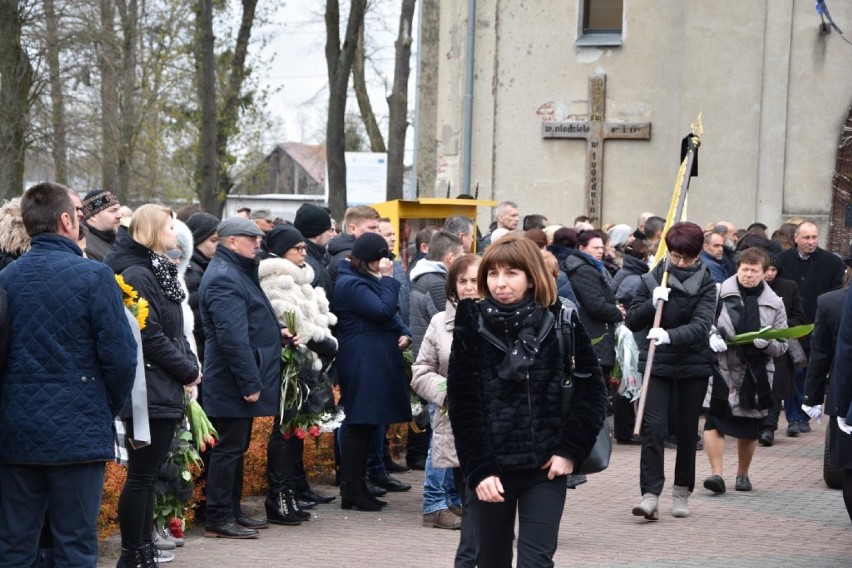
point(760, 343)
point(658, 294)
point(841, 423)
point(815, 412)
point(660, 334)
point(717, 344)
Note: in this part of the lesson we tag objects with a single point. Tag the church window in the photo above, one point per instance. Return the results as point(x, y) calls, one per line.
point(601, 22)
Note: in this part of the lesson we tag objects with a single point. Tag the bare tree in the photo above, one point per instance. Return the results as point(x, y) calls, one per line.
point(339, 62)
point(108, 66)
point(359, 83)
point(206, 169)
point(398, 102)
point(16, 82)
point(129, 16)
point(59, 143)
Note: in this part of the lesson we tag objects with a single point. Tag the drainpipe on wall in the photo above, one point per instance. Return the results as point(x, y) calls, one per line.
point(468, 95)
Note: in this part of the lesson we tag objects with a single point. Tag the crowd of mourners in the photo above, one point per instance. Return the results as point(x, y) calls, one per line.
point(493, 323)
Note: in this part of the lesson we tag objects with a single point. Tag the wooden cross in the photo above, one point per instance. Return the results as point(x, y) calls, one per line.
point(595, 130)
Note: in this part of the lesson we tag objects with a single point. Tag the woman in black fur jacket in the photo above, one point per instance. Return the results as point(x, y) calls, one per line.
point(504, 397)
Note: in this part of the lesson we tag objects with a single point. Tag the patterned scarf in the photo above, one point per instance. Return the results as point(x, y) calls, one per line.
point(166, 273)
point(519, 324)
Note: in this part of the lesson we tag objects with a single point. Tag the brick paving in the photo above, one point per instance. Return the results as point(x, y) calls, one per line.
point(790, 519)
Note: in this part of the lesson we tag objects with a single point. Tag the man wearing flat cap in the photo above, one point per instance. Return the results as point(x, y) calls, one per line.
point(102, 216)
point(242, 359)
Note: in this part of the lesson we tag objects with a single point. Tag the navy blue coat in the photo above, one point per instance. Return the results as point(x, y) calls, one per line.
point(369, 364)
point(242, 353)
point(169, 361)
point(72, 357)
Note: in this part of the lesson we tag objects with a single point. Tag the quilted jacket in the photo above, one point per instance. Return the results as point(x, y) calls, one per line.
point(242, 354)
point(169, 361)
point(501, 425)
point(598, 311)
point(72, 357)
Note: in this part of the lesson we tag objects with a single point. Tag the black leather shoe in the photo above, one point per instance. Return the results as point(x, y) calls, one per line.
point(416, 463)
point(311, 495)
point(250, 523)
point(393, 467)
point(766, 438)
point(304, 504)
point(390, 483)
point(231, 530)
point(375, 490)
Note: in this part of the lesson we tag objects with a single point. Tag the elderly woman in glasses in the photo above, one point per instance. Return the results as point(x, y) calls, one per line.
point(285, 278)
point(682, 364)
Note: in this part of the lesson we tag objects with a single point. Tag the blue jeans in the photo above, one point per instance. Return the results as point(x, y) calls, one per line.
point(793, 405)
point(72, 492)
point(439, 487)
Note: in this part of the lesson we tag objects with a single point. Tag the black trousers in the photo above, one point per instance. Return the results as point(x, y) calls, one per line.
point(136, 502)
point(285, 465)
point(225, 474)
point(466, 551)
point(690, 396)
point(538, 503)
point(353, 452)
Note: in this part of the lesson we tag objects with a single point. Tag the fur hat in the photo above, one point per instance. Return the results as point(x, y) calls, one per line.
point(370, 247)
point(312, 220)
point(202, 226)
point(96, 201)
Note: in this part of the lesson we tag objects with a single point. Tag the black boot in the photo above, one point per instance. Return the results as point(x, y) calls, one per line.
point(137, 557)
point(356, 495)
point(370, 495)
point(279, 509)
point(293, 502)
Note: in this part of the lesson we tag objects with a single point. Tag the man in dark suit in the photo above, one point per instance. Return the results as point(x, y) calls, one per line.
point(816, 271)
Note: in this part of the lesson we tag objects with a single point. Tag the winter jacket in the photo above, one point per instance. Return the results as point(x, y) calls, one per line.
point(597, 308)
point(429, 380)
point(370, 368)
point(242, 353)
point(687, 317)
point(564, 289)
point(820, 272)
point(318, 259)
point(72, 357)
point(628, 279)
point(504, 425)
point(194, 271)
point(732, 365)
point(14, 240)
point(841, 381)
point(99, 243)
point(428, 297)
point(338, 249)
point(404, 300)
point(169, 362)
point(821, 370)
point(288, 288)
point(717, 269)
point(784, 384)
point(185, 243)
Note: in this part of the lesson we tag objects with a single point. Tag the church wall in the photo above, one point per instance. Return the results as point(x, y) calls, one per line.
point(772, 91)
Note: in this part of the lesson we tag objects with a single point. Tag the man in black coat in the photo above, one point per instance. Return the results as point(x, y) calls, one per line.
point(816, 271)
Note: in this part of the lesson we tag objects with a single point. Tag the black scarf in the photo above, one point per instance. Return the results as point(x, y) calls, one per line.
point(166, 273)
point(519, 325)
point(756, 392)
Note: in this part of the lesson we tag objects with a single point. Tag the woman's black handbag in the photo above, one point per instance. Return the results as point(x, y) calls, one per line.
point(598, 459)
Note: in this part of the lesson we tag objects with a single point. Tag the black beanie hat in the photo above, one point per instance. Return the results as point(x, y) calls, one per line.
point(202, 226)
point(282, 238)
point(370, 247)
point(96, 201)
point(312, 220)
